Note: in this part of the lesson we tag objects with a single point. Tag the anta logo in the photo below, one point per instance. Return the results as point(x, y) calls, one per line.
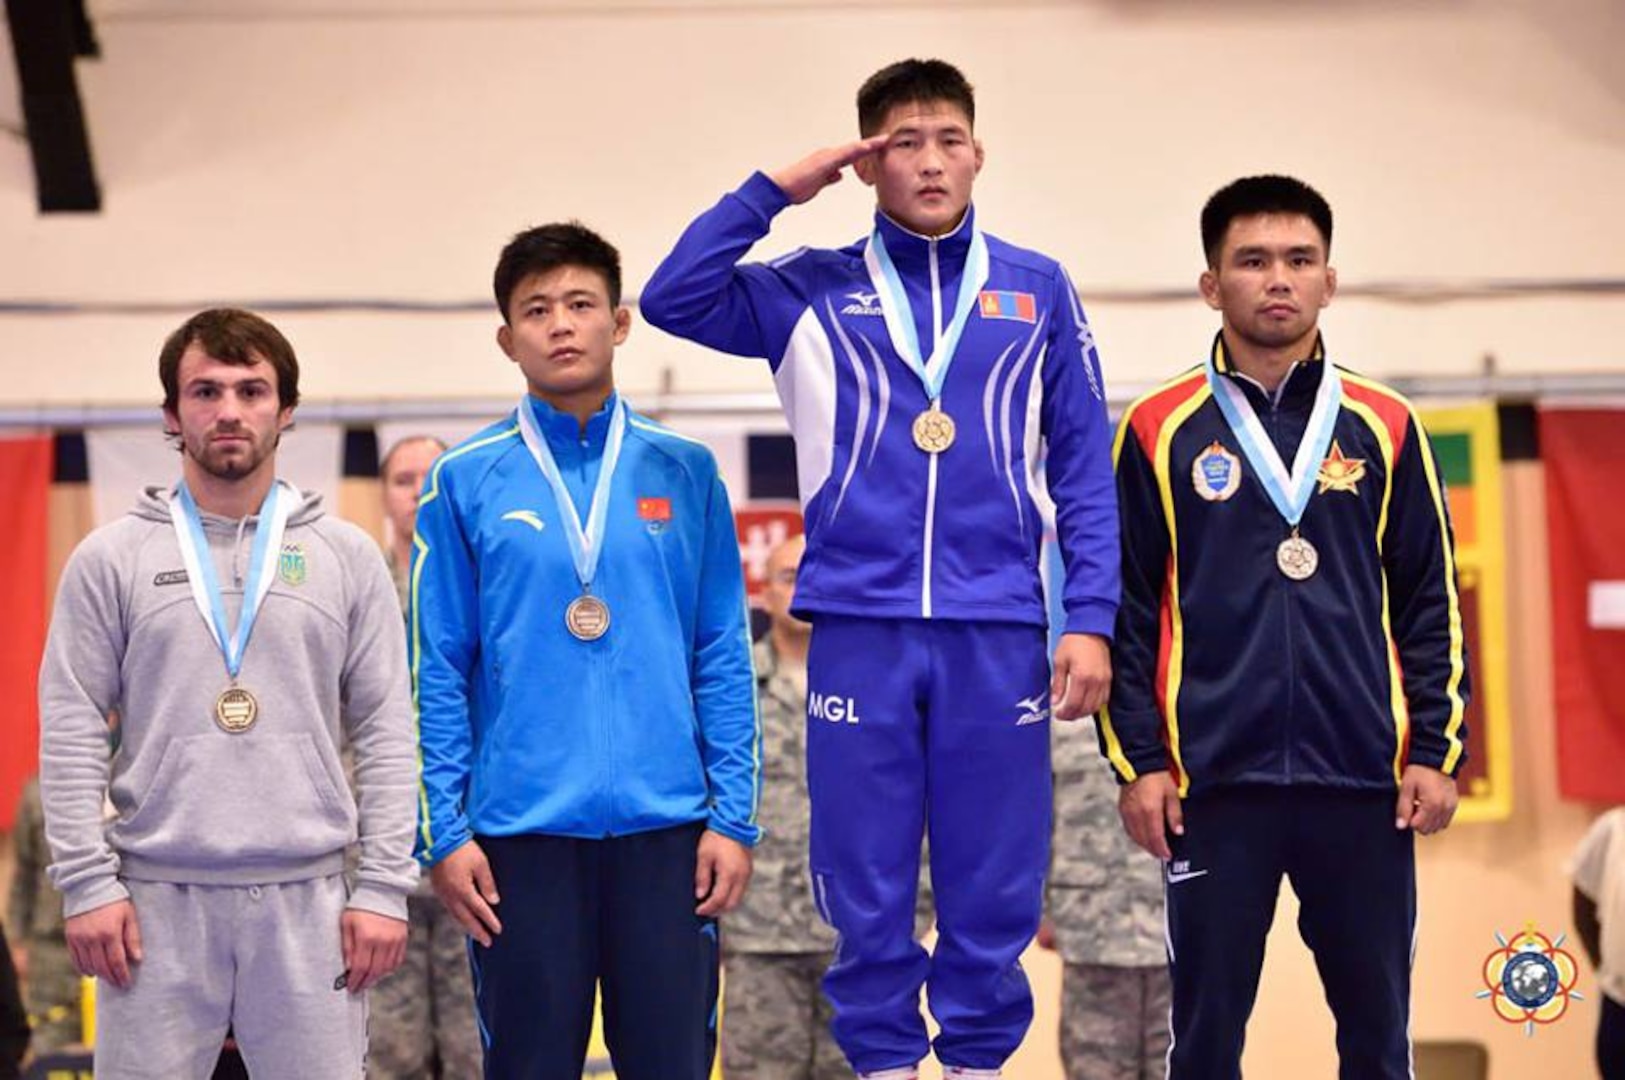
point(863, 303)
point(528, 517)
point(1033, 710)
point(832, 708)
point(170, 577)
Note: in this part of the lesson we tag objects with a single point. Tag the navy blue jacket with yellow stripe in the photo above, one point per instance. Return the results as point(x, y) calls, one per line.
point(1228, 672)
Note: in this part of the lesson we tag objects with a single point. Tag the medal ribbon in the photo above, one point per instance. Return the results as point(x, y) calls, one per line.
point(586, 541)
point(1289, 491)
point(188, 522)
point(899, 314)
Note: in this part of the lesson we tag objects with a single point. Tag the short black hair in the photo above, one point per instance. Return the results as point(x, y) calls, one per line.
point(548, 247)
point(1269, 194)
point(912, 82)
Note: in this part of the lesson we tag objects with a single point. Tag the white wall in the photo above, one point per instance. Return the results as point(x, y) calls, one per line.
point(264, 150)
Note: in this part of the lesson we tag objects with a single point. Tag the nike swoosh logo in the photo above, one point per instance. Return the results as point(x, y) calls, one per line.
point(1175, 879)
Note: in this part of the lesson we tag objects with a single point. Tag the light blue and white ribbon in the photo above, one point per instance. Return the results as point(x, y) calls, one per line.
point(586, 541)
point(899, 314)
point(1289, 491)
point(272, 520)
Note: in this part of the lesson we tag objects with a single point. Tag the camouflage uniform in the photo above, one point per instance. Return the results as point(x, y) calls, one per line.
point(775, 946)
point(424, 1011)
point(34, 916)
point(1104, 898)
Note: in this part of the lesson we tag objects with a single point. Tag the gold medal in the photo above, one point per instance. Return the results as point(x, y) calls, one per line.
point(934, 429)
point(235, 710)
point(587, 617)
point(1297, 558)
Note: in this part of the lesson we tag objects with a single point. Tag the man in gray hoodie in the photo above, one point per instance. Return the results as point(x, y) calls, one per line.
point(238, 632)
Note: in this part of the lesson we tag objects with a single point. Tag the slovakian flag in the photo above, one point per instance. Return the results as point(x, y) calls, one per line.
point(1584, 457)
point(25, 486)
point(1004, 304)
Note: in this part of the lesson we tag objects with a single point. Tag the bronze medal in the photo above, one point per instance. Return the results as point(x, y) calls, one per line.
point(934, 430)
point(587, 617)
point(1297, 558)
point(235, 710)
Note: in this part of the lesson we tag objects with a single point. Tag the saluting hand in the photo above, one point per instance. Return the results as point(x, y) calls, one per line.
point(820, 169)
point(466, 886)
point(721, 872)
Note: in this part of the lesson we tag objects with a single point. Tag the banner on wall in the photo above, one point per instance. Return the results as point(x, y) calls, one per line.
point(1584, 457)
point(1467, 441)
point(25, 484)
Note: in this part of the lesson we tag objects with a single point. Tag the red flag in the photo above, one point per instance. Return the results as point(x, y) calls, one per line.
point(25, 487)
point(1584, 455)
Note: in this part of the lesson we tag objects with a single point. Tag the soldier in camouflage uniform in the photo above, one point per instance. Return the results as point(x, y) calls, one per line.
point(1104, 913)
point(51, 985)
point(424, 1012)
point(775, 947)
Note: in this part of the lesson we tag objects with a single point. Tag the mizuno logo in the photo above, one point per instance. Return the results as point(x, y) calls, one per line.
point(1180, 870)
point(529, 517)
point(863, 303)
point(1033, 710)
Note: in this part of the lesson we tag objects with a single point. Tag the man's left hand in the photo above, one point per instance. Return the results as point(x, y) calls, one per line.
point(1427, 800)
point(374, 946)
point(721, 872)
point(1083, 676)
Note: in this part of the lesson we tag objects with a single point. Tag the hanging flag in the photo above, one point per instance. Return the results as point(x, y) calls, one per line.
point(1584, 456)
point(25, 483)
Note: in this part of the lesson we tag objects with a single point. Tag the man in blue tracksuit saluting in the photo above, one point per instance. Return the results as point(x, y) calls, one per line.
point(585, 697)
point(924, 370)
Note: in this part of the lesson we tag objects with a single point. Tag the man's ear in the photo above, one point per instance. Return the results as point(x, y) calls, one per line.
point(866, 167)
point(1208, 285)
point(623, 324)
point(505, 340)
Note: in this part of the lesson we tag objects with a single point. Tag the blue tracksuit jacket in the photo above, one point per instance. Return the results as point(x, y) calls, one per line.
point(893, 532)
point(525, 729)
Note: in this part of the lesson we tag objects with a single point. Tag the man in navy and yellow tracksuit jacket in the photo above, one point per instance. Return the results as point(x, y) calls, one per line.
point(930, 692)
point(1278, 682)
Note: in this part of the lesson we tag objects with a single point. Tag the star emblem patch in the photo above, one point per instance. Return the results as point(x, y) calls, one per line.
point(1339, 473)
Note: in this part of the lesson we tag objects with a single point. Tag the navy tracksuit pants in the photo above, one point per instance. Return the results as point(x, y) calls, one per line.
point(914, 721)
point(578, 914)
point(1355, 878)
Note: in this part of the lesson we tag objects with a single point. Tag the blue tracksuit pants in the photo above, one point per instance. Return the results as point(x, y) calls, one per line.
point(913, 721)
point(1355, 877)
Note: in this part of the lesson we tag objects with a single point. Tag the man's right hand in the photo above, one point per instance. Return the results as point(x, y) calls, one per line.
point(105, 941)
point(464, 883)
point(1150, 809)
point(819, 170)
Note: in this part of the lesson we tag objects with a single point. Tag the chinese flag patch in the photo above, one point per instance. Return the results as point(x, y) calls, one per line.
point(654, 509)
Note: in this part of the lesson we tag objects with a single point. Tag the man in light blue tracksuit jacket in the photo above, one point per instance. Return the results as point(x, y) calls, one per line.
point(585, 695)
point(929, 684)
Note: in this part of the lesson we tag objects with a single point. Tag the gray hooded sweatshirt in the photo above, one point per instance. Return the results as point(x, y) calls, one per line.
point(191, 802)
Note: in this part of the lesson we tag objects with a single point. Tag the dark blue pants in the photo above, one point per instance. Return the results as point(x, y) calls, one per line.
point(1611, 1040)
point(579, 914)
point(911, 721)
point(1355, 878)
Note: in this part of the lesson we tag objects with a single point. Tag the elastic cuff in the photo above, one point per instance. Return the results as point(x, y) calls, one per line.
point(387, 902)
point(92, 895)
point(1092, 618)
point(749, 835)
point(762, 195)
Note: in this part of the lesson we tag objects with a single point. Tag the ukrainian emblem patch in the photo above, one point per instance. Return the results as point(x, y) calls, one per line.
point(1216, 473)
point(290, 566)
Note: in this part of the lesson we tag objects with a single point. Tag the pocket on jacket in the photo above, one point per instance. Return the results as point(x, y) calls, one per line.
point(220, 799)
